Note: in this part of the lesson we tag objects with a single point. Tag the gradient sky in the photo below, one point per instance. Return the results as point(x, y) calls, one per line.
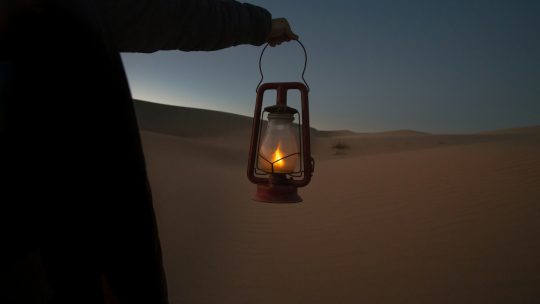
point(436, 66)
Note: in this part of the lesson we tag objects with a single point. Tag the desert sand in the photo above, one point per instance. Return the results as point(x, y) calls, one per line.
point(398, 217)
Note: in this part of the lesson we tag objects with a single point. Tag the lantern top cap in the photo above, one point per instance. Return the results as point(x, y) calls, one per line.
point(280, 109)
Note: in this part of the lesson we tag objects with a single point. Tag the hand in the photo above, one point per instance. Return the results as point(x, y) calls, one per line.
point(280, 32)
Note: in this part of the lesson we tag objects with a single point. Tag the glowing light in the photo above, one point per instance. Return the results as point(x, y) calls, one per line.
point(280, 160)
point(279, 163)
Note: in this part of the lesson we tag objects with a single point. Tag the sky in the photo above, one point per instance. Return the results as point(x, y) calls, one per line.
point(433, 66)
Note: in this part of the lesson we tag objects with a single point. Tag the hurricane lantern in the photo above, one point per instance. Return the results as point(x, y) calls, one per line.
point(280, 153)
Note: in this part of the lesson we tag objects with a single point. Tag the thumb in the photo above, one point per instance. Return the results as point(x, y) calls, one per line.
point(290, 34)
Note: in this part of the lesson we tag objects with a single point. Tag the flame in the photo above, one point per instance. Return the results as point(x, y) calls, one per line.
point(276, 163)
point(277, 156)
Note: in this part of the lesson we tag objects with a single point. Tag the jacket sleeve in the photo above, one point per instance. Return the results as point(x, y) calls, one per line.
point(188, 25)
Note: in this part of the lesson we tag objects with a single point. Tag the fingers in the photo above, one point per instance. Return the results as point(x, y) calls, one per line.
point(279, 40)
point(273, 42)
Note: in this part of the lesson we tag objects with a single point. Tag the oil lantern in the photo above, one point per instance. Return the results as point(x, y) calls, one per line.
point(280, 153)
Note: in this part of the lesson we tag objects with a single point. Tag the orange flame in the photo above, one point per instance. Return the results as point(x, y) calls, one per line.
point(277, 156)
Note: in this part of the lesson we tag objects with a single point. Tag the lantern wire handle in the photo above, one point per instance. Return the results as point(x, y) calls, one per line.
point(303, 71)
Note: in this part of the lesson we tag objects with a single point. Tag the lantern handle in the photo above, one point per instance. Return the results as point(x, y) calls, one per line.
point(303, 71)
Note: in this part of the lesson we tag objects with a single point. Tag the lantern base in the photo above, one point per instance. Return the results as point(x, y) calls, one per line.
point(272, 193)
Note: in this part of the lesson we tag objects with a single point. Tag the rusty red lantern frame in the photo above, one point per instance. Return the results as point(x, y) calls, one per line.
point(281, 187)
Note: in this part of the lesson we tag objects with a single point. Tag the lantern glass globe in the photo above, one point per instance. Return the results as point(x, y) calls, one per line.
point(278, 152)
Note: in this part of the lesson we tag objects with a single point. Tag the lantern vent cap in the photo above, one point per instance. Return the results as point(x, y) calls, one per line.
point(281, 112)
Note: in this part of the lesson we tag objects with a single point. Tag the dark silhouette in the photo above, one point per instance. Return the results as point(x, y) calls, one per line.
point(76, 206)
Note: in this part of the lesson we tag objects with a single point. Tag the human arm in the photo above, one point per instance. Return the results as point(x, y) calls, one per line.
point(188, 25)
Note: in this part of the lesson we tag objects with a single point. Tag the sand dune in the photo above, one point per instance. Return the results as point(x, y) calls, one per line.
point(535, 130)
point(199, 123)
point(393, 219)
point(189, 122)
